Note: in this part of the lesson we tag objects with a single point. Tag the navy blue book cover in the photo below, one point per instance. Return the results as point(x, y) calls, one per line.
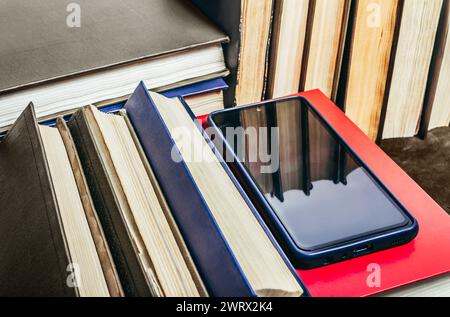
point(214, 260)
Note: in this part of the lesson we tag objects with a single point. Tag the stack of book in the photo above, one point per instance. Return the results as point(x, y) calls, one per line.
point(110, 208)
point(114, 206)
point(102, 51)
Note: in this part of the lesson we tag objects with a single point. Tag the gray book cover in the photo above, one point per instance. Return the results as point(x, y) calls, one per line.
point(52, 39)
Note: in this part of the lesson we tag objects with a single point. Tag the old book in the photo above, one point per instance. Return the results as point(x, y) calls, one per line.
point(205, 103)
point(318, 30)
point(370, 54)
point(327, 29)
point(321, 70)
point(47, 58)
point(52, 244)
point(261, 263)
point(247, 23)
point(287, 45)
point(417, 35)
point(440, 96)
point(148, 256)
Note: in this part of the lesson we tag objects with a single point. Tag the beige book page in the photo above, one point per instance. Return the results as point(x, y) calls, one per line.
point(369, 63)
point(255, 29)
point(325, 46)
point(287, 47)
point(86, 266)
point(166, 259)
point(440, 113)
point(260, 261)
point(409, 79)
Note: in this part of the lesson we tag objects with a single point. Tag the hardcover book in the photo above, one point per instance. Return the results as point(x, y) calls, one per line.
point(52, 243)
point(150, 258)
point(64, 56)
point(233, 250)
point(248, 24)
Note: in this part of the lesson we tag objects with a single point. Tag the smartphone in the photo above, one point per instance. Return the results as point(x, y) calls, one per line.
point(319, 199)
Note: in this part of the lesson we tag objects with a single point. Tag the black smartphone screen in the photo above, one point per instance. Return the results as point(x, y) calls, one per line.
point(320, 191)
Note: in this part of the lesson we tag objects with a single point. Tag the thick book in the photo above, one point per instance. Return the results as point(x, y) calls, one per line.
point(52, 243)
point(372, 43)
point(327, 27)
point(287, 47)
point(150, 258)
point(416, 38)
point(248, 24)
point(234, 252)
point(47, 56)
point(188, 91)
point(436, 110)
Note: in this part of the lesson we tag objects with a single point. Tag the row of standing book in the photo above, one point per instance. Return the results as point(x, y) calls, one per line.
point(386, 63)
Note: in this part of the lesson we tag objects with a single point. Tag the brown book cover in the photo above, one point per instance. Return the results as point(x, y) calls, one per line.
point(131, 272)
point(34, 250)
point(102, 247)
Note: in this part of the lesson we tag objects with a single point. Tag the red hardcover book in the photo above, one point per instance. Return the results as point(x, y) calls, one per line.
point(428, 255)
point(202, 120)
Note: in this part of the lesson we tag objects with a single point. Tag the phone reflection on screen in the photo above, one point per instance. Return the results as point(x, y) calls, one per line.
point(317, 185)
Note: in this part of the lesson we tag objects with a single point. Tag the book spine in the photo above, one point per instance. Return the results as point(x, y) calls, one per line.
point(228, 16)
point(214, 259)
point(435, 71)
point(122, 249)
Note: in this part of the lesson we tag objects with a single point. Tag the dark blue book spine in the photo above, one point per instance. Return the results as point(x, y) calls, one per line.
point(197, 88)
point(219, 269)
